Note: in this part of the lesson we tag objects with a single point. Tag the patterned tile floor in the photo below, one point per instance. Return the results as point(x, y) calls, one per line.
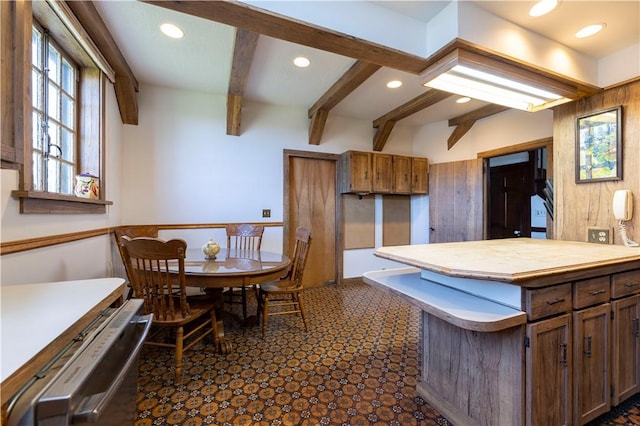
point(358, 365)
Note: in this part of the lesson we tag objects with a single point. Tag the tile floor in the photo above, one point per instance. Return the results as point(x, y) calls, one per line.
point(358, 365)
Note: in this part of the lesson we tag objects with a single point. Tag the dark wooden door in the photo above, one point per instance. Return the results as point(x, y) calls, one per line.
point(456, 201)
point(510, 200)
point(310, 201)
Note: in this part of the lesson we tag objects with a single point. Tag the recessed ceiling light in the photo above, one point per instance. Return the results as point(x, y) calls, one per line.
point(171, 30)
point(301, 62)
point(394, 84)
point(590, 30)
point(543, 7)
point(463, 100)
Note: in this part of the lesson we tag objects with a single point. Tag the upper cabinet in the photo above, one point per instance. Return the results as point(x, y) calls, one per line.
point(377, 173)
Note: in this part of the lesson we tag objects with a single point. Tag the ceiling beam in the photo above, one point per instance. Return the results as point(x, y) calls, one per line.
point(244, 50)
point(464, 122)
point(126, 84)
point(357, 74)
point(262, 21)
point(425, 100)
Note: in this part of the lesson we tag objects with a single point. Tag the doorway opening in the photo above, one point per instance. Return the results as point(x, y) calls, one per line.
point(515, 204)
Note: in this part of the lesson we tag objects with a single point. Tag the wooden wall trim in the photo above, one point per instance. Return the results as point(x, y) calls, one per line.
point(9, 247)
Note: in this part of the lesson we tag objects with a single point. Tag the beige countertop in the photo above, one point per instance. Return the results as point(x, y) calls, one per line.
point(36, 320)
point(512, 260)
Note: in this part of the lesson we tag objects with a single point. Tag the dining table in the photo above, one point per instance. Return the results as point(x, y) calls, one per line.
point(231, 268)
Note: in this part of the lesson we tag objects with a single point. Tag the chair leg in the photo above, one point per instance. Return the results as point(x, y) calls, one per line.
point(244, 302)
point(178, 356)
point(214, 330)
point(304, 318)
point(265, 308)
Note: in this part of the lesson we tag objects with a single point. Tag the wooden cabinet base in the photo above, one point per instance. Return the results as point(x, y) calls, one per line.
point(473, 378)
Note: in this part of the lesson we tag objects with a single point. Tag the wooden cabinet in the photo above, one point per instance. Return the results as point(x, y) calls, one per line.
point(382, 173)
point(372, 172)
point(625, 348)
point(419, 175)
point(355, 172)
point(548, 372)
point(591, 396)
point(401, 175)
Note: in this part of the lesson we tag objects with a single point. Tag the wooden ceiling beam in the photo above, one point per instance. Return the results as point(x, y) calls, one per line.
point(126, 84)
point(262, 21)
point(357, 74)
point(387, 121)
point(244, 50)
point(464, 122)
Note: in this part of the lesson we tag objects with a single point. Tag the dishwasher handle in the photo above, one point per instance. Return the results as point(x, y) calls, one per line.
point(92, 406)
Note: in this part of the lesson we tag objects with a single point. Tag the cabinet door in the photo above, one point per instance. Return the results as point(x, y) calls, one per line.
point(548, 367)
point(591, 396)
point(401, 175)
point(625, 349)
point(356, 172)
point(419, 175)
point(382, 173)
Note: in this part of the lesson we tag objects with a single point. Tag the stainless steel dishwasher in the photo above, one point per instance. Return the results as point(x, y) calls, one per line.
point(94, 382)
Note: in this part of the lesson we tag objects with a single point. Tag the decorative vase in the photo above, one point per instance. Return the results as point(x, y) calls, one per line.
point(210, 249)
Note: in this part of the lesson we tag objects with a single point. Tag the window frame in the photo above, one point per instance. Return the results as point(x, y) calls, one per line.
point(90, 111)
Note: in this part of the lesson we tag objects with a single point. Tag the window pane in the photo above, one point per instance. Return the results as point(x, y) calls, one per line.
point(54, 102)
point(37, 131)
point(36, 47)
point(66, 144)
point(54, 139)
point(52, 174)
point(68, 78)
point(54, 64)
point(66, 181)
point(37, 171)
point(36, 86)
point(67, 112)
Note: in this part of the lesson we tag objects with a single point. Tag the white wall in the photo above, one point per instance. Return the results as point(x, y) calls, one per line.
point(179, 166)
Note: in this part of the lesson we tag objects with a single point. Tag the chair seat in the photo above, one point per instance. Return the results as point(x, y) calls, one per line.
point(283, 287)
point(196, 311)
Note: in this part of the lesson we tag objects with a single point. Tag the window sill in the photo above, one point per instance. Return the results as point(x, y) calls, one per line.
point(36, 202)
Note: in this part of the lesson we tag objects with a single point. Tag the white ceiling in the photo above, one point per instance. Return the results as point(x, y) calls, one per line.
point(201, 61)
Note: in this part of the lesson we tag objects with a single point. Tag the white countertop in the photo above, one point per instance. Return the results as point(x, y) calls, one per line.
point(33, 315)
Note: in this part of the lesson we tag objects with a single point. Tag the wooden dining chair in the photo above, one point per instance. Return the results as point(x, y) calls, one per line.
point(243, 236)
point(152, 263)
point(282, 297)
point(133, 231)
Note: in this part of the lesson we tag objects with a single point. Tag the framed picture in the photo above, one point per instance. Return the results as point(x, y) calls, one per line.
point(599, 146)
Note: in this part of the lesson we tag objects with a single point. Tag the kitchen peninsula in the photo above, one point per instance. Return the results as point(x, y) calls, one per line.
point(522, 331)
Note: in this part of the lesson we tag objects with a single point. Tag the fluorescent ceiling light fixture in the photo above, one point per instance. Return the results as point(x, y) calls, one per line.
point(301, 62)
point(394, 84)
point(499, 81)
point(590, 30)
point(171, 30)
point(463, 100)
point(543, 7)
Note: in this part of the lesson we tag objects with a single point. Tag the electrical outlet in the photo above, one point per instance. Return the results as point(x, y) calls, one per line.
point(599, 235)
point(266, 212)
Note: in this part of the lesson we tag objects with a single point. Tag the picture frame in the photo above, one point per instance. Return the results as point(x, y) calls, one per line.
point(599, 146)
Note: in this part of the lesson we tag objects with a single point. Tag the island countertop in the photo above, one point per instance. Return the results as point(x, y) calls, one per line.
point(523, 261)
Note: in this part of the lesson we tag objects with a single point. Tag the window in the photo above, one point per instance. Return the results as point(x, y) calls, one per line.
point(54, 125)
point(54, 110)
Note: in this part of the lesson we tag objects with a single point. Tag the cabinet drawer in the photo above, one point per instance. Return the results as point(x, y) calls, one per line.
point(625, 283)
point(547, 301)
point(591, 292)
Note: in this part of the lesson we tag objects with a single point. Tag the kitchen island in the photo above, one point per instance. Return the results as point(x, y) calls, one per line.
point(522, 331)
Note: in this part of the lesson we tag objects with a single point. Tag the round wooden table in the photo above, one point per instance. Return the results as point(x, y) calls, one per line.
point(232, 268)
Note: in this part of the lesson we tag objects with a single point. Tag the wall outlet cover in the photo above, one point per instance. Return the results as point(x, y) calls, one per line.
point(600, 235)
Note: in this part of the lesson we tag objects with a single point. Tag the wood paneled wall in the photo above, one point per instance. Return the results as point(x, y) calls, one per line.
point(579, 206)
